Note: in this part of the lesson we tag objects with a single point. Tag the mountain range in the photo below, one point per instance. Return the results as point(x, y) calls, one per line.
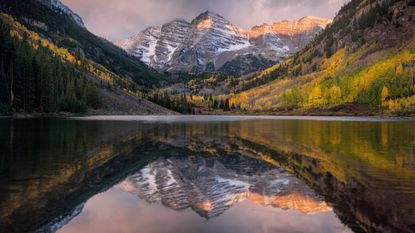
point(211, 43)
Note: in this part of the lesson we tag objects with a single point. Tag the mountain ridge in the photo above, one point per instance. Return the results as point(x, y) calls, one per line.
point(210, 42)
point(57, 5)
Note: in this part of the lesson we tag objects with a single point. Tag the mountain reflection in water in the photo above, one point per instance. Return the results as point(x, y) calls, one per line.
point(210, 186)
point(209, 174)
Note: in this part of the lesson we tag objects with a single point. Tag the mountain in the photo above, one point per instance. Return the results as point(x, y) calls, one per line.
point(62, 8)
point(52, 63)
point(286, 36)
point(210, 186)
point(363, 62)
point(211, 43)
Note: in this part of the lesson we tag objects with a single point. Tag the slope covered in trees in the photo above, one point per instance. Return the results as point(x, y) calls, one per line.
point(51, 64)
point(35, 80)
point(39, 76)
point(61, 30)
point(366, 57)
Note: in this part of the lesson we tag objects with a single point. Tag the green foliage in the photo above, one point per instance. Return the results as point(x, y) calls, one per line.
point(63, 32)
point(178, 104)
point(219, 103)
point(35, 80)
point(372, 96)
point(291, 98)
point(280, 70)
point(92, 97)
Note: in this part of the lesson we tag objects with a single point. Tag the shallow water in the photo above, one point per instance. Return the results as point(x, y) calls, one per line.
point(207, 174)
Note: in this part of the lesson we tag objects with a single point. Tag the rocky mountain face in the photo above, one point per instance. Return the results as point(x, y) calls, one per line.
point(211, 43)
point(62, 8)
point(210, 186)
point(284, 37)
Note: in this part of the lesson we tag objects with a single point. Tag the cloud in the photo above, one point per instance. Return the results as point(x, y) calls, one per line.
point(118, 19)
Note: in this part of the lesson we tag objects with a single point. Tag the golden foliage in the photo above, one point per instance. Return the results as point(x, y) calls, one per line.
point(384, 94)
point(21, 32)
point(334, 96)
point(316, 97)
point(343, 78)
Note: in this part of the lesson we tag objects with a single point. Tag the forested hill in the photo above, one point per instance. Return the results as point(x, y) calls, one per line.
point(47, 68)
point(60, 29)
point(34, 79)
point(365, 58)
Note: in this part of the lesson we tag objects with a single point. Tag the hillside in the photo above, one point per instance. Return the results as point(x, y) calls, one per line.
point(47, 71)
point(364, 60)
point(52, 23)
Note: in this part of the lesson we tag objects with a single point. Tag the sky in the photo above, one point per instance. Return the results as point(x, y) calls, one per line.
point(119, 19)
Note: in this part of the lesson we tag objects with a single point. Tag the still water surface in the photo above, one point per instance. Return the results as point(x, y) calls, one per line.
point(207, 174)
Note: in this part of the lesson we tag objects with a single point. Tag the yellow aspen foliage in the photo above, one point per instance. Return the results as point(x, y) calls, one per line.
point(333, 64)
point(35, 36)
point(393, 104)
point(243, 100)
point(334, 95)
point(316, 96)
point(384, 94)
point(44, 42)
point(399, 69)
point(16, 34)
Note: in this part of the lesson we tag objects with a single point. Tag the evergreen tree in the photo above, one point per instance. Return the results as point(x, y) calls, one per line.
point(37, 80)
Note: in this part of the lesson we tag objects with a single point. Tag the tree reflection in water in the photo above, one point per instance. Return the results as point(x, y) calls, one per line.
point(362, 170)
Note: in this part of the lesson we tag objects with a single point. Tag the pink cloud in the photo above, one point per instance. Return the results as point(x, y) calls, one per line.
point(118, 19)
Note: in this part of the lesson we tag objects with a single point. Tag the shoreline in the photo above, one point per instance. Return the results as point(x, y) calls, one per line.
point(339, 111)
point(228, 115)
point(351, 110)
point(67, 114)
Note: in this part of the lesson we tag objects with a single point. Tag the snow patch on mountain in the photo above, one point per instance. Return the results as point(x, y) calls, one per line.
point(210, 41)
point(235, 47)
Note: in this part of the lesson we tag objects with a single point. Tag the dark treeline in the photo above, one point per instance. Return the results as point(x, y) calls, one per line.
point(36, 80)
point(215, 103)
point(176, 103)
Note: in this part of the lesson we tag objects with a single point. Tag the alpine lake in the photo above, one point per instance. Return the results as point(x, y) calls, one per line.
point(216, 174)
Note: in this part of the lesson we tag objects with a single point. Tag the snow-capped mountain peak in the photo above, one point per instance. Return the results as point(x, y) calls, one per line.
point(204, 23)
point(210, 43)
